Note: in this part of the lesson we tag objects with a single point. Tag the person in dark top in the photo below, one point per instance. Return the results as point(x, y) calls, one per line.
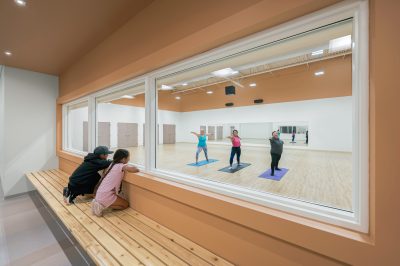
point(85, 178)
point(307, 137)
point(276, 151)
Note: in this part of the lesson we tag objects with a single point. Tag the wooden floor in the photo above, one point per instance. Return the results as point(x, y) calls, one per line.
point(320, 177)
point(120, 237)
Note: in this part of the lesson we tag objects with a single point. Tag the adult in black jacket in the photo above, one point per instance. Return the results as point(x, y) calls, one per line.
point(85, 178)
point(276, 151)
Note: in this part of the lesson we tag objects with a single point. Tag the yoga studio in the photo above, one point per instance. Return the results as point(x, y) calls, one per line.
point(199, 132)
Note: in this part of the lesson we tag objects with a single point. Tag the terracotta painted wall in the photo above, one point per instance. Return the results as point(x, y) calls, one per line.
point(248, 234)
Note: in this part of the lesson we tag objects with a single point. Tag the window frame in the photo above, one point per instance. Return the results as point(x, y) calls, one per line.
point(358, 219)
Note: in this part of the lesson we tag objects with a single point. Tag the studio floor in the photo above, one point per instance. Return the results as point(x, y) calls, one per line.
point(320, 177)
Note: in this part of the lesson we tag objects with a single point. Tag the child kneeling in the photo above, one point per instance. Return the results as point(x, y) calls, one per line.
point(107, 193)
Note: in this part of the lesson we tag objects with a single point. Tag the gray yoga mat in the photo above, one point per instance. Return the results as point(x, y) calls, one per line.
point(235, 168)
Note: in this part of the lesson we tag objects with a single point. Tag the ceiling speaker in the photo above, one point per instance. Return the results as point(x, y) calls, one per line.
point(228, 104)
point(258, 101)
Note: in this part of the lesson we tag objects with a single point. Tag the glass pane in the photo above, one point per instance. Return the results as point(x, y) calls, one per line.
point(301, 85)
point(77, 127)
point(120, 118)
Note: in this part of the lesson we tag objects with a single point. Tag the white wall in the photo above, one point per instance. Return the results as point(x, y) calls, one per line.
point(28, 127)
point(329, 120)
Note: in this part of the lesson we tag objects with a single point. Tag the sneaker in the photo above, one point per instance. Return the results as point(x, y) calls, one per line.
point(230, 168)
point(66, 195)
point(278, 169)
point(97, 208)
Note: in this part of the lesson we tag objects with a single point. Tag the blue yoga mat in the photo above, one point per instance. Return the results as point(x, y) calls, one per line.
point(277, 175)
point(201, 163)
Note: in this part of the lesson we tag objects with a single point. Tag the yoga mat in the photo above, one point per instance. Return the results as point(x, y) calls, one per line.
point(201, 163)
point(235, 168)
point(277, 175)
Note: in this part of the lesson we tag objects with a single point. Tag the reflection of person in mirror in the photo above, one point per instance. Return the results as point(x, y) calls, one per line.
point(276, 151)
point(236, 150)
point(202, 144)
point(307, 137)
point(293, 136)
point(279, 133)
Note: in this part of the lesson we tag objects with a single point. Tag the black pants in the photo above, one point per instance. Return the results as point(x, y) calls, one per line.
point(274, 162)
point(86, 187)
point(237, 151)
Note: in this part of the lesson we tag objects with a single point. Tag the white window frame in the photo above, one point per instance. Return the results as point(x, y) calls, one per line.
point(358, 219)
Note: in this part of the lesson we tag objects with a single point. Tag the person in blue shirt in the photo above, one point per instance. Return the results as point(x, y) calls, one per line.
point(202, 144)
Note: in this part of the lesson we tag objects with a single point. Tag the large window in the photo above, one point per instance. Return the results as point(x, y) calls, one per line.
point(300, 82)
point(120, 117)
point(77, 138)
point(293, 100)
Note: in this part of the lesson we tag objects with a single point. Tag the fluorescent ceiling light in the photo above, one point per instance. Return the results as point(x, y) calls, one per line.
point(253, 84)
point(166, 87)
point(224, 72)
point(317, 52)
point(210, 92)
point(20, 2)
point(319, 73)
point(7, 53)
point(178, 97)
point(338, 44)
point(184, 84)
point(128, 97)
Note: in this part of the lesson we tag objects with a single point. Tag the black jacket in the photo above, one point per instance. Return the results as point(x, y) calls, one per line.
point(86, 175)
point(276, 146)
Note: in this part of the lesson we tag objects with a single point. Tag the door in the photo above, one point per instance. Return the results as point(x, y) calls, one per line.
point(85, 136)
point(220, 130)
point(169, 134)
point(103, 135)
point(211, 131)
point(128, 135)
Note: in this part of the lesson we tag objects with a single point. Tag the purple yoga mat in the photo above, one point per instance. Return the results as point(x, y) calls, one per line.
point(277, 175)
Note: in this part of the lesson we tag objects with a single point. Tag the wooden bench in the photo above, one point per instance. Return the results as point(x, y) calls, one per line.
point(120, 237)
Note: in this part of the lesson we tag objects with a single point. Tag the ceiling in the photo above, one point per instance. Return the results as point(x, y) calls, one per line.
point(49, 35)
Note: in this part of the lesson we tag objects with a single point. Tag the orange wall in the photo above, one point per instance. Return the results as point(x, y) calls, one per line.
point(248, 234)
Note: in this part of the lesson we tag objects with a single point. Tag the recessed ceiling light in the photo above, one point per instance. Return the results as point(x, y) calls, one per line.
point(7, 53)
point(317, 52)
point(184, 84)
point(166, 87)
point(178, 97)
point(20, 2)
point(319, 73)
point(224, 72)
point(339, 44)
point(128, 97)
point(252, 84)
point(108, 103)
point(210, 92)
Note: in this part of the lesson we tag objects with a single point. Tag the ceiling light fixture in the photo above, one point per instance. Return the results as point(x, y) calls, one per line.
point(184, 84)
point(178, 97)
point(210, 92)
point(317, 52)
point(319, 73)
point(128, 97)
point(253, 84)
point(166, 87)
point(20, 2)
point(224, 72)
point(7, 53)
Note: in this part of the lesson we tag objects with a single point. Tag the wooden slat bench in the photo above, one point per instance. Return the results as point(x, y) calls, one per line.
point(120, 237)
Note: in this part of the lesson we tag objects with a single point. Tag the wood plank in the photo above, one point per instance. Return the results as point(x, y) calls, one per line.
point(98, 254)
point(171, 235)
point(112, 246)
point(182, 253)
point(182, 241)
point(158, 250)
point(130, 239)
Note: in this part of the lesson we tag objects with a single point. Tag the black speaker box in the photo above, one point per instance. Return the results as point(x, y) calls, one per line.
point(229, 90)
